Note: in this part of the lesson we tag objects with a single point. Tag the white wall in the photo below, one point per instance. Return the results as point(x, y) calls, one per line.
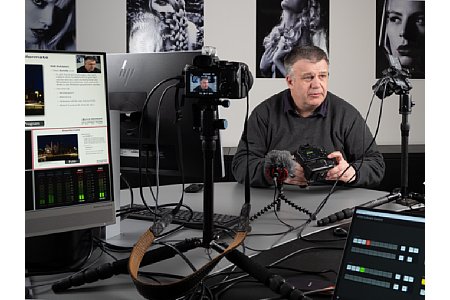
point(230, 26)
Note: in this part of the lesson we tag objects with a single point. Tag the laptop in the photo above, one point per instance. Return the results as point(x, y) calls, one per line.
point(384, 257)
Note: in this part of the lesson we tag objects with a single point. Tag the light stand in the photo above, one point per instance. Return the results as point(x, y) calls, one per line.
point(405, 105)
point(396, 81)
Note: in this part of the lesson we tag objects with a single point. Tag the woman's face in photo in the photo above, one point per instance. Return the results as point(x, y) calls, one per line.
point(405, 31)
point(39, 17)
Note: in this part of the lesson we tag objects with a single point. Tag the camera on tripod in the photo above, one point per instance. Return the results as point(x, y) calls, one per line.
point(210, 77)
point(314, 162)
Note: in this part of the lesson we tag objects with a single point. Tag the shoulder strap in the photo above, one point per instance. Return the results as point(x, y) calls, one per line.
point(173, 290)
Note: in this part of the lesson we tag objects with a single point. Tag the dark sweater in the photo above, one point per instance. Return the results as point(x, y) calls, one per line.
point(335, 125)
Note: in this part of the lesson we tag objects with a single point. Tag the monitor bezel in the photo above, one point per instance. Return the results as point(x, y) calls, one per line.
point(55, 220)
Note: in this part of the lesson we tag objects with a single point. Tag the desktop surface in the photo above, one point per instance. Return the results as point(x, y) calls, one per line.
point(267, 231)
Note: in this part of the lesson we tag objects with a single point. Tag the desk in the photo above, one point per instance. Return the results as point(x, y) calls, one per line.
point(228, 199)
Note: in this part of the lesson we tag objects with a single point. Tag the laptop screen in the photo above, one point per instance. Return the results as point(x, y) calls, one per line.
point(384, 257)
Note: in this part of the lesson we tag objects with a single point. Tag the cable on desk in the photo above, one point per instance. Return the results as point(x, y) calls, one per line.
point(200, 292)
point(181, 254)
point(235, 280)
point(66, 277)
point(112, 247)
point(104, 249)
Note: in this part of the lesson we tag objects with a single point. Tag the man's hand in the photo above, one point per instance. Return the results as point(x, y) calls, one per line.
point(299, 178)
point(342, 165)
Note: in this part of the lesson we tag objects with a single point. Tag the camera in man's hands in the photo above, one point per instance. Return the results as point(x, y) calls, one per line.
point(210, 77)
point(314, 162)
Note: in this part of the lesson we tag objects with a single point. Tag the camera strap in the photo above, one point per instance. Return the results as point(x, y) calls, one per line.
point(178, 288)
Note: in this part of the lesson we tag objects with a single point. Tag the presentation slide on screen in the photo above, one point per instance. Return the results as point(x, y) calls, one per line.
point(64, 90)
point(53, 148)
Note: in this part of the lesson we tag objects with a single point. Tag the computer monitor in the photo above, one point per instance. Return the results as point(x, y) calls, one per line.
point(68, 170)
point(131, 76)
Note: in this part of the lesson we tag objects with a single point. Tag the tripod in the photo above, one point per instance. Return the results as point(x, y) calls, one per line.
point(209, 134)
point(277, 202)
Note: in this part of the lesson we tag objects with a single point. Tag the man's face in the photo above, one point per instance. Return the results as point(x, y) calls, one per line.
point(308, 83)
point(90, 65)
point(204, 84)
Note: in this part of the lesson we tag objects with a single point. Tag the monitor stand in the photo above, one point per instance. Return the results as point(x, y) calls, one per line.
point(58, 252)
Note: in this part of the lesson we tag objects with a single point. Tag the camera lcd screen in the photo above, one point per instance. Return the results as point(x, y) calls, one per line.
point(202, 84)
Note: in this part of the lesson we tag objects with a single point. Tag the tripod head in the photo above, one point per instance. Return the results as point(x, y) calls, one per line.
point(395, 80)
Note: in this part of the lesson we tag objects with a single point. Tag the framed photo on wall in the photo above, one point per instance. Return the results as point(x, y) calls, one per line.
point(401, 33)
point(164, 25)
point(50, 26)
point(280, 26)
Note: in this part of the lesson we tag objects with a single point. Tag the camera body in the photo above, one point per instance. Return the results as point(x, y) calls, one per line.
point(225, 79)
point(314, 161)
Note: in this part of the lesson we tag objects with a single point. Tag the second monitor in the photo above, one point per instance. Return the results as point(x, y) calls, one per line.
point(131, 76)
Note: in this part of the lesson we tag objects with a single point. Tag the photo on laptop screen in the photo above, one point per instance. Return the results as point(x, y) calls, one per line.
point(384, 257)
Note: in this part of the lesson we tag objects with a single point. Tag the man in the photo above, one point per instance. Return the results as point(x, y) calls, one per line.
point(89, 66)
point(307, 114)
point(203, 87)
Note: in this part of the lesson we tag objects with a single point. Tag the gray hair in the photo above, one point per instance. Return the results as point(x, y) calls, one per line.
point(311, 53)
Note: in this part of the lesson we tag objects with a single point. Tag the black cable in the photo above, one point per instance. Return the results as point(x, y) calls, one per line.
point(181, 254)
point(301, 251)
point(114, 248)
point(155, 198)
point(129, 188)
point(141, 121)
point(232, 284)
point(65, 277)
point(296, 270)
point(156, 274)
point(158, 118)
point(180, 153)
point(200, 292)
point(334, 187)
point(237, 280)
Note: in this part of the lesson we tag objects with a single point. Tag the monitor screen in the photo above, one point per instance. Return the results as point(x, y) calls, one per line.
point(68, 169)
point(131, 76)
point(384, 257)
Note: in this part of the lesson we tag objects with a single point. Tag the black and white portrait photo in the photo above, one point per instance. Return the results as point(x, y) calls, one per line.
point(282, 25)
point(164, 25)
point(401, 33)
point(50, 25)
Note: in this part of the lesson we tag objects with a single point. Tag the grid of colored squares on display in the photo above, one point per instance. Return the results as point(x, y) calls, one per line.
point(387, 280)
point(388, 246)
